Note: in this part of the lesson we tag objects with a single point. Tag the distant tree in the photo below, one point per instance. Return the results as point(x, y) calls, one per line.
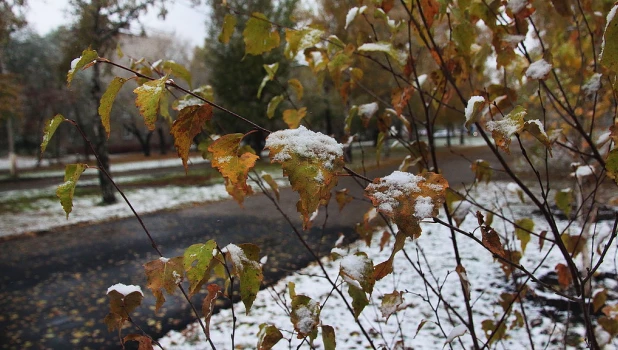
point(234, 76)
point(98, 25)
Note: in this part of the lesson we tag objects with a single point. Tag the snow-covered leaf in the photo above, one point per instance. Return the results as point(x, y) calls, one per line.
point(535, 127)
point(245, 260)
point(300, 40)
point(123, 300)
point(385, 47)
point(352, 13)
point(473, 110)
point(502, 130)
point(357, 270)
point(455, 333)
point(407, 199)
point(539, 69)
point(305, 315)
point(311, 161)
point(86, 60)
point(391, 303)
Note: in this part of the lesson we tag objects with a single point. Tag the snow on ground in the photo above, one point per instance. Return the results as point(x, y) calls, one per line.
point(434, 252)
point(49, 213)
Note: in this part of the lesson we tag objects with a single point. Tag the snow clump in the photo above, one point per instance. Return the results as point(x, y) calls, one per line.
point(304, 143)
point(539, 69)
point(398, 184)
point(125, 289)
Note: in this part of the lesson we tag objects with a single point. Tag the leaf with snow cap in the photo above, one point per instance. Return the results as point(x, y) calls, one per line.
point(502, 130)
point(539, 69)
point(535, 127)
point(366, 112)
point(473, 110)
point(609, 47)
point(229, 22)
point(148, 100)
point(305, 315)
point(268, 336)
point(299, 40)
point(123, 299)
point(107, 100)
point(163, 274)
point(387, 48)
point(86, 60)
point(357, 270)
point(65, 192)
point(352, 13)
point(311, 161)
point(391, 303)
point(188, 124)
point(50, 128)
point(197, 260)
point(234, 167)
point(407, 199)
point(293, 117)
point(245, 260)
point(259, 35)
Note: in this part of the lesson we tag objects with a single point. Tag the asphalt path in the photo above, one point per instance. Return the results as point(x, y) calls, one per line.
point(53, 286)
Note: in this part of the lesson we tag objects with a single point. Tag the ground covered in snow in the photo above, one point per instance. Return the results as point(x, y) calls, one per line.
point(423, 321)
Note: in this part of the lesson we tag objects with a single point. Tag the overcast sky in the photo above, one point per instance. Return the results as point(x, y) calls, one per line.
point(185, 21)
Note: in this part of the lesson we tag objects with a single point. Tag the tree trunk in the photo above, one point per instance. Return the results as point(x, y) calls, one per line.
point(11, 141)
point(100, 142)
point(162, 145)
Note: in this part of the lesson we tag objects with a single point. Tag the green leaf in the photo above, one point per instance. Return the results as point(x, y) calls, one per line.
point(523, 227)
point(305, 315)
point(65, 191)
point(271, 70)
point(229, 23)
point(163, 274)
point(272, 183)
point(609, 48)
point(292, 117)
point(50, 129)
point(611, 164)
point(173, 68)
point(311, 161)
point(391, 303)
point(245, 263)
point(502, 130)
point(387, 48)
point(564, 200)
point(86, 60)
point(408, 198)
point(268, 336)
point(464, 35)
point(234, 167)
point(187, 125)
point(107, 100)
point(259, 35)
point(296, 85)
point(328, 337)
point(359, 299)
point(148, 100)
point(535, 127)
point(197, 261)
point(273, 104)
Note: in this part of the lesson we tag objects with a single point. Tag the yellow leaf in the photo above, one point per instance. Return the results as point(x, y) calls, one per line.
point(292, 117)
point(67, 189)
point(502, 130)
point(229, 22)
point(148, 97)
point(259, 35)
point(296, 85)
point(50, 129)
point(84, 61)
point(107, 100)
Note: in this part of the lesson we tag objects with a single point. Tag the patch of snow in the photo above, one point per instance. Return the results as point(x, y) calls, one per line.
point(368, 110)
point(423, 207)
point(397, 184)
point(583, 171)
point(353, 266)
point(539, 69)
point(125, 289)
point(603, 139)
point(592, 85)
point(164, 260)
point(306, 317)
point(456, 332)
point(237, 255)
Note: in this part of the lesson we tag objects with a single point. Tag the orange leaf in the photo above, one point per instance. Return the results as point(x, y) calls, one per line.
point(189, 124)
point(233, 167)
point(163, 274)
point(564, 275)
point(400, 98)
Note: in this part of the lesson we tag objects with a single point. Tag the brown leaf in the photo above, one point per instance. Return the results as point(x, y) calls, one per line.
point(386, 237)
point(491, 239)
point(564, 275)
point(342, 196)
point(599, 300)
point(187, 125)
point(163, 274)
point(400, 98)
point(145, 343)
point(463, 278)
point(208, 306)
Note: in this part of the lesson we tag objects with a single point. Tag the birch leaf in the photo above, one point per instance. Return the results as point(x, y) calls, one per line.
point(50, 128)
point(107, 100)
point(65, 191)
point(187, 125)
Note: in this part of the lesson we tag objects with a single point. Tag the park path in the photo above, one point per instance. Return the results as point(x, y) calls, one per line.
point(52, 291)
